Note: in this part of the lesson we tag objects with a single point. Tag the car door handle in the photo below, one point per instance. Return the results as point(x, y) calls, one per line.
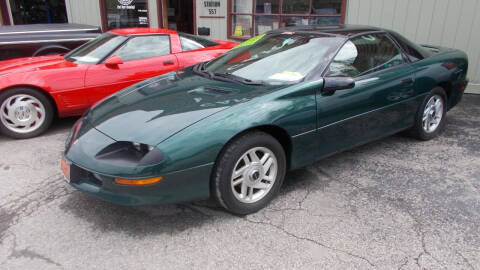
point(407, 81)
point(167, 63)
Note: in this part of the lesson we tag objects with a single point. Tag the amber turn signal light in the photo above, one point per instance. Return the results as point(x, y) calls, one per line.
point(138, 182)
point(65, 168)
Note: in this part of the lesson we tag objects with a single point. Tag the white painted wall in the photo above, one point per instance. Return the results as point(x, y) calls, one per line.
point(84, 11)
point(153, 13)
point(449, 23)
point(218, 26)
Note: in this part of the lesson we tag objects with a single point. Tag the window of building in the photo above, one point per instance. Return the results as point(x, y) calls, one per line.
point(38, 11)
point(144, 47)
point(249, 18)
point(365, 54)
point(125, 13)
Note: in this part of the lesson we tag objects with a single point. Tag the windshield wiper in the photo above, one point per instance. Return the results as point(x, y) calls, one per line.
point(200, 69)
point(226, 77)
point(236, 78)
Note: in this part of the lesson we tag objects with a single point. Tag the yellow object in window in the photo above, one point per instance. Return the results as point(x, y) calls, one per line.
point(238, 31)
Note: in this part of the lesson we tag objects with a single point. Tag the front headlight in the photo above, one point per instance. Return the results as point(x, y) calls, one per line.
point(130, 154)
point(73, 134)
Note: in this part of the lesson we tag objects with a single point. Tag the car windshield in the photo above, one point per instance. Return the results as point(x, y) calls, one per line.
point(95, 50)
point(277, 58)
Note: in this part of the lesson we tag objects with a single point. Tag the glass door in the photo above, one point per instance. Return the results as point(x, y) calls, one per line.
point(126, 13)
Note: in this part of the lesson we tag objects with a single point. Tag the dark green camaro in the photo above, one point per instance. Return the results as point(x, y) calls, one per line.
point(232, 127)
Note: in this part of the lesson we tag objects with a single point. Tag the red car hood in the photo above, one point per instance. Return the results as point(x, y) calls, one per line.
point(34, 63)
point(229, 43)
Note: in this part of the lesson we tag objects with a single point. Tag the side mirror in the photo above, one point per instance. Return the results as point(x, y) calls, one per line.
point(332, 84)
point(113, 61)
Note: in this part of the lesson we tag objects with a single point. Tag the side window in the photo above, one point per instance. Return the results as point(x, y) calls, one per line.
point(144, 47)
point(365, 54)
point(189, 45)
point(191, 42)
point(412, 53)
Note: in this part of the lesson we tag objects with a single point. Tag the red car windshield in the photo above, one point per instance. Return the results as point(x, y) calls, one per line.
point(95, 50)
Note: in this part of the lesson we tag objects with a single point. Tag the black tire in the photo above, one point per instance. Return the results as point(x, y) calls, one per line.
point(418, 131)
point(222, 190)
point(47, 105)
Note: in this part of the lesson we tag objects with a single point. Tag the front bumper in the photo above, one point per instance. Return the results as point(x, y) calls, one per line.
point(96, 176)
point(186, 185)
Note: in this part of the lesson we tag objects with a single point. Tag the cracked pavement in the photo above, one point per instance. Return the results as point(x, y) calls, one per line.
point(395, 203)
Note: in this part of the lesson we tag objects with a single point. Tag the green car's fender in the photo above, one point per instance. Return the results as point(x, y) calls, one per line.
point(288, 114)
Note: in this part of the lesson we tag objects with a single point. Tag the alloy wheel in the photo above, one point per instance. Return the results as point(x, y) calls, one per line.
point(432, 114)
point(254, 174)
point(22, 113)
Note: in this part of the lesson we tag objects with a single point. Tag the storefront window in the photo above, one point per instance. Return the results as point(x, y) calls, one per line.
point(38, 11)
point(266, 15)
point(323, 7)
point(294, 21)
point(267, 6)
point(324, 20)
point(126, 13)
point(241, 6)
point(242, 25)
point(266, 23)
point(295, 6)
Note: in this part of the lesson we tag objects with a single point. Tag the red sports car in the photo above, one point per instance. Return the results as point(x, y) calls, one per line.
point(34, 90)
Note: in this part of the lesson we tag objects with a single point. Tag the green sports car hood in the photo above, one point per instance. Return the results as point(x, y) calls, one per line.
point(153, 110)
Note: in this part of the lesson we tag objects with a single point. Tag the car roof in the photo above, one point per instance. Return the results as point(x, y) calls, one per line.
point(141, 31)
point(47, 27)
point(338, 30)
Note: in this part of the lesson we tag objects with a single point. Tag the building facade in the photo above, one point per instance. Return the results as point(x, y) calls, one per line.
point(108, 14)
point(449, 23)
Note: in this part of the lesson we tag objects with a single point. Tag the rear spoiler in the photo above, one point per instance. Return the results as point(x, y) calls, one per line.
point(431, 48)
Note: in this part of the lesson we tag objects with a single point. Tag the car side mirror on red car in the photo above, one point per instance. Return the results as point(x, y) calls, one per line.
point(113, 61)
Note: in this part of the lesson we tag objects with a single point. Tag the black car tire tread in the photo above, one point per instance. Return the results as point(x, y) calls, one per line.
point(222, 171)
point(417, 130)
point(49, 112)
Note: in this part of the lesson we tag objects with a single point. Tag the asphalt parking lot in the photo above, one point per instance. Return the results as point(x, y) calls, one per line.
point(393, 204)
